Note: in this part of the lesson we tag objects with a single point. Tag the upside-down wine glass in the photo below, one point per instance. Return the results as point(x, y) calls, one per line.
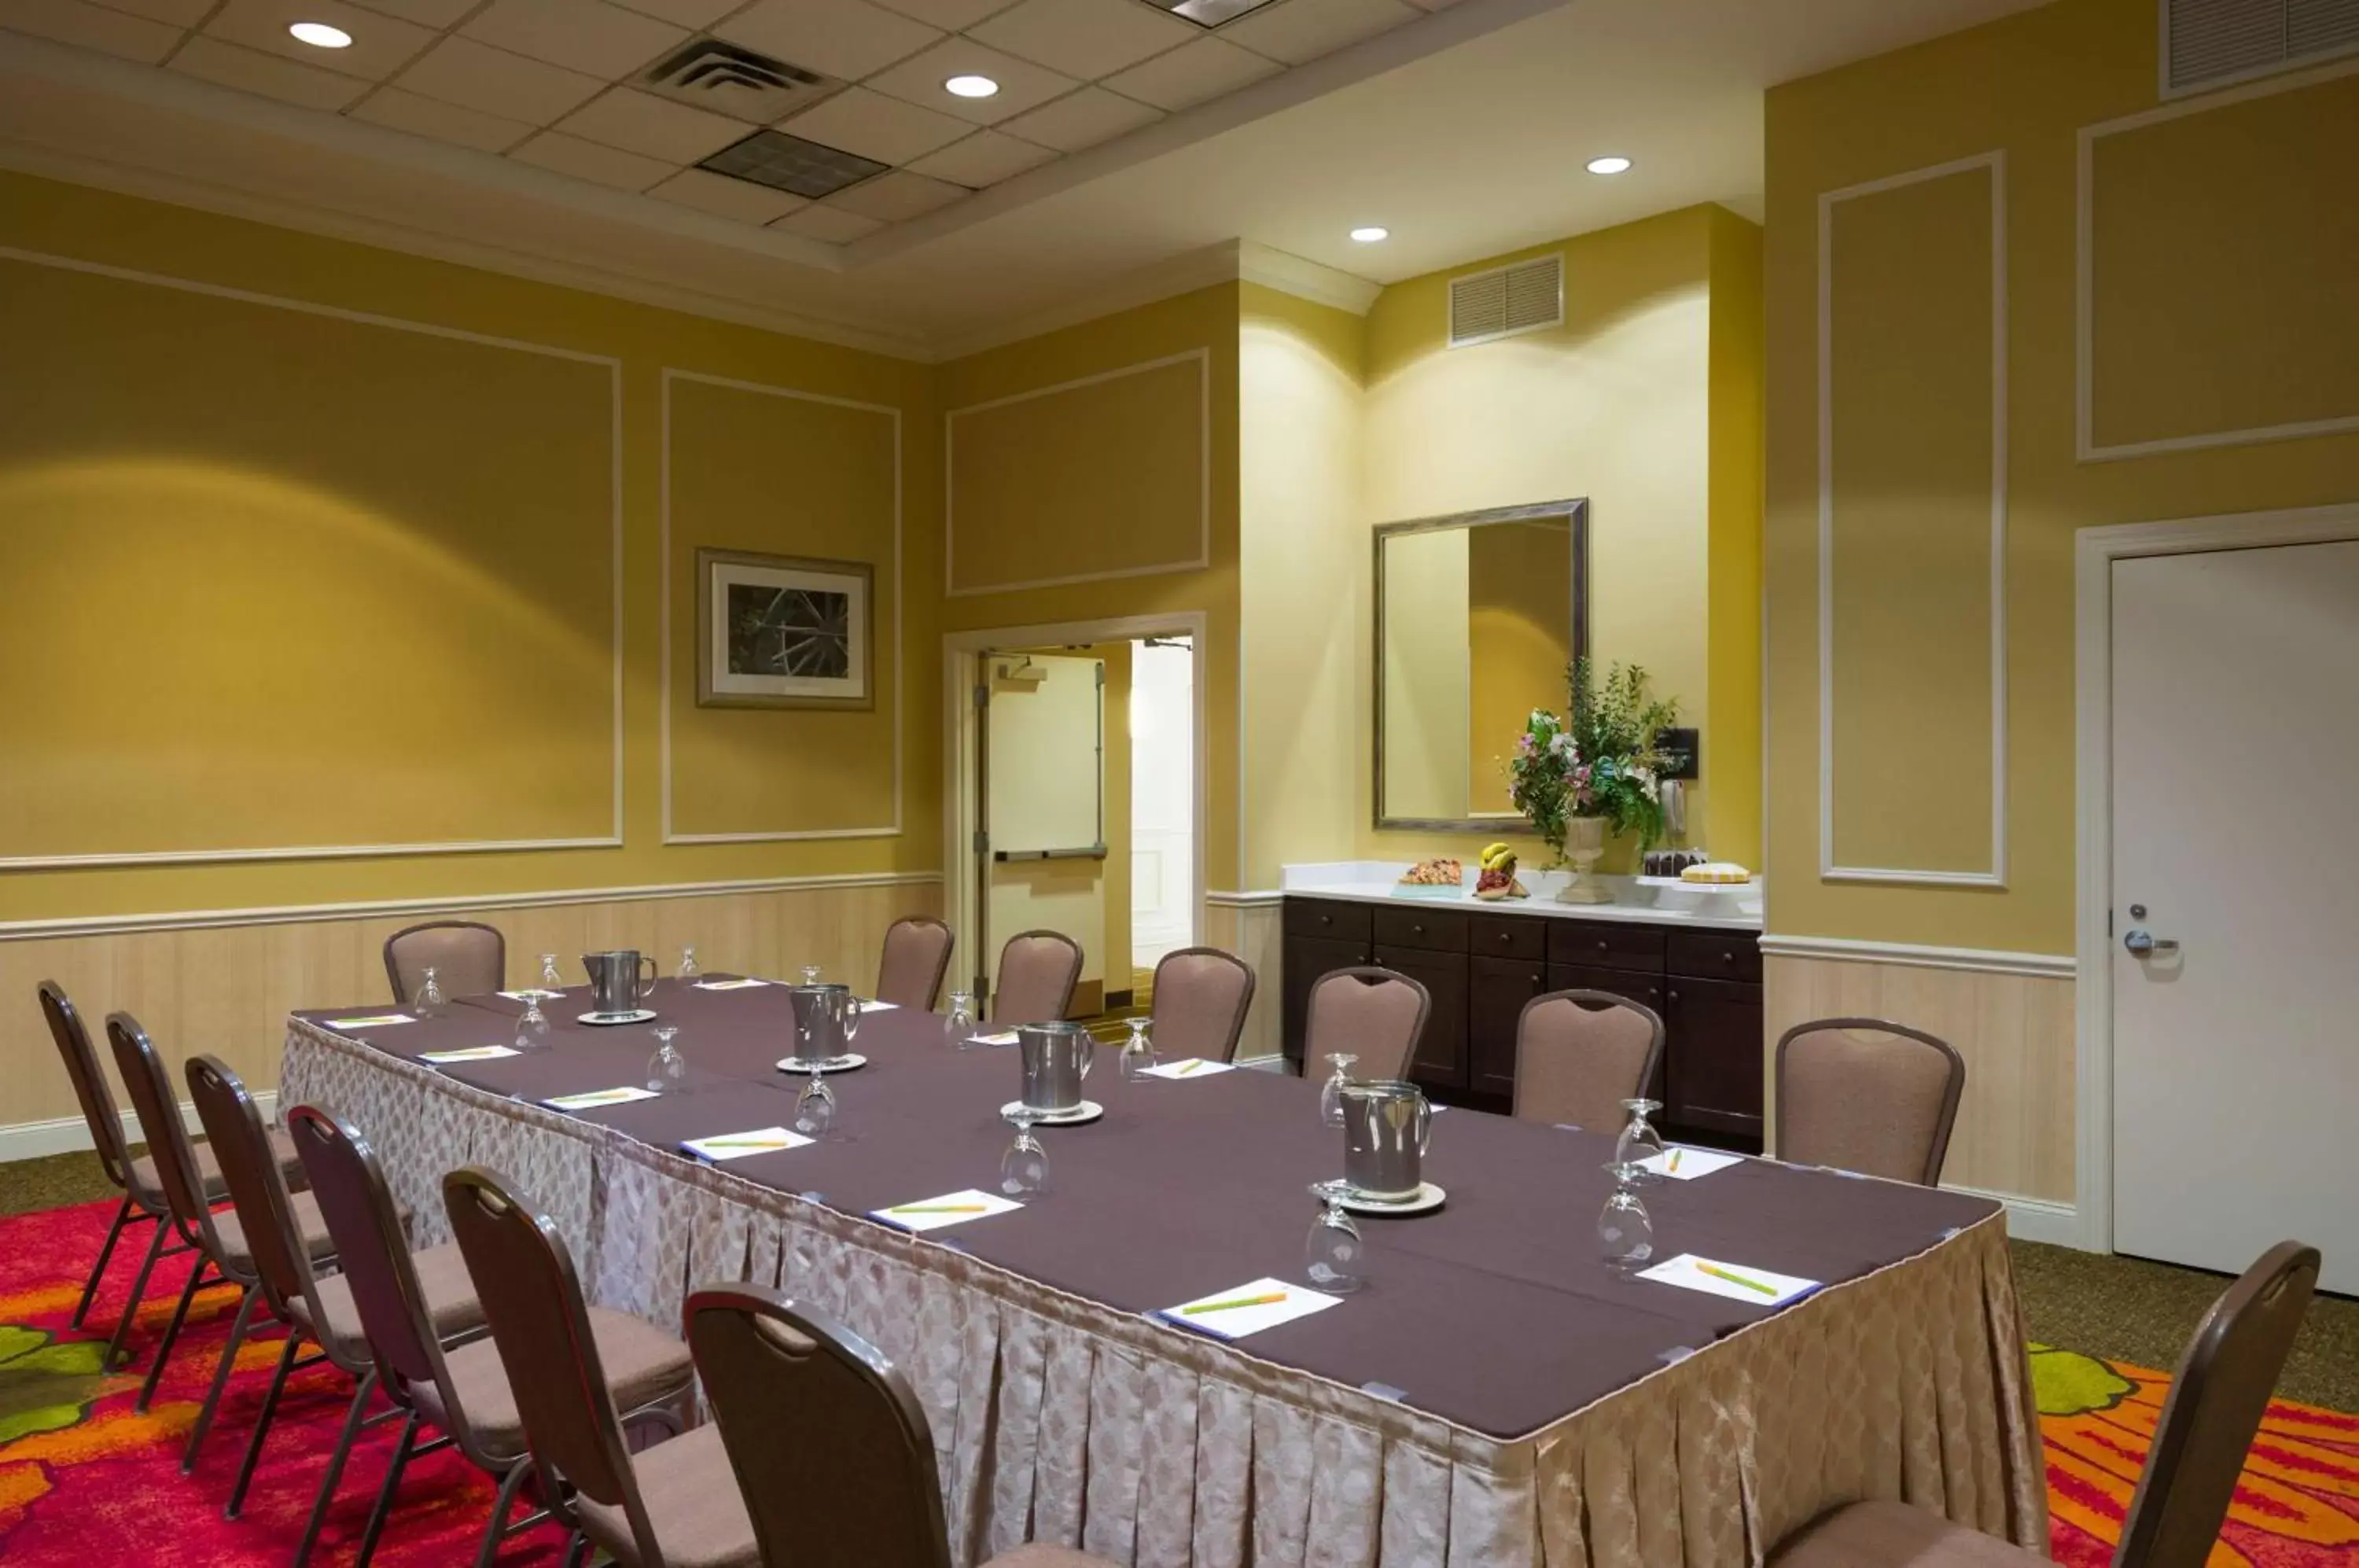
point(1023, 1169)
point(1333, 1256)
point(961, 1022)
point(1137, 1052)
point(1625, 1233)
point(532, 1029)
point(429, 1002)
point(1330, 1094)
point(815, 1106)
point(1639, 1142)
point(551, 980)
point(667, 1068)
point(691, 972)
point(811, 973)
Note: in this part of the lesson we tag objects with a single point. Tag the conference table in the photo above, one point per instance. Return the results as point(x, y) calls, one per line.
point(1495, 1394)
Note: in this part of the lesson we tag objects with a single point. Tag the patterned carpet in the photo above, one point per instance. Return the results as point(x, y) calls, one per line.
point(79, 1466)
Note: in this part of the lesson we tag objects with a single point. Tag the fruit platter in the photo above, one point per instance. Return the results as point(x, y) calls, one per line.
point(1497, 879)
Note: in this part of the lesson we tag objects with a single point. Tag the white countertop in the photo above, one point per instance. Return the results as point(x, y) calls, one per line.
point(1378, 882)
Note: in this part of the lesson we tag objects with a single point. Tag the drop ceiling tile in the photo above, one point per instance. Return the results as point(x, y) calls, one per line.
point(655, 127)
point(380, 45)
point(1022, 84)
point(870, 124)
point(849, 38)
point(985, 158)
point(91, 27)
point(951, 15)
point(442, 122)
point(892, 197)
point(1297, 31)
point(1192, 73)
point(180, 13)
point(251, 70)
point(435, 14)
point(725, 197)
point(1085, 38)
point(588, 161)
point(834, 224)
point(590, 36)
point(1081, 119)
point(494, 81)
point(686, 13)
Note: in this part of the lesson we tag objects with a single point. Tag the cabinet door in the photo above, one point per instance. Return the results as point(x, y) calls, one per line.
point(1715, 1054)
point(1497, 990)
point(1441, 1059)
point(1305, 959)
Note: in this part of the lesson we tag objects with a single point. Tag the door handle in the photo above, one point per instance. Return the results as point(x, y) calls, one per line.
point(2143, 943)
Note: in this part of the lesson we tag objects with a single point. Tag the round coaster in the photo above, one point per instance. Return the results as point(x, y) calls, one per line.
point(849, 1062)
point(1429, 1197)
point(637, 1016)
point(1086, 1112)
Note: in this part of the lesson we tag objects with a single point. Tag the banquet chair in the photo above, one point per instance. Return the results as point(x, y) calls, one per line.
point(809, 1409)
point(462, 1393)
point(143, 1192)
point(1580, 1054)
point(916, 956)
point(671, 1505)
point(1201, 997)
point(2193, 1465)
point(468, 957)
point(217, 1239)
point(311, 1306)
point(1377, 1015)
point(1038, 972)
point(1878, 1106)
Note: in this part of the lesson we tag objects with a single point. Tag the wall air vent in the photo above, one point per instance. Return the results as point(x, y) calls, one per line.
point(1505, 301)
point(2208, 43)
point(786, 163)
point(737, 81)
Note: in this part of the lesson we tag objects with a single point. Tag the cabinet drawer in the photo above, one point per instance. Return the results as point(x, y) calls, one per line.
point(1507, 936)
point(1646, 990)
point(1602, 944)
point(1437, 930)
point(1329, 918)
point(1714, 955)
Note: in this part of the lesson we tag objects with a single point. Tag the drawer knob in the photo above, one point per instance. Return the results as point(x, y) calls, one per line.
point(1602, 944)
point(1507, 936)
point(1326, 920)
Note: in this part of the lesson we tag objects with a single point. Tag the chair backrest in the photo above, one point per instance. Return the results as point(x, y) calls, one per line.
point(1377, 1015)
point(1201, 997)
point(1866, 1095)
point(96, 1099)
point(349, 1184)
point(1579, 1054)
point(2213, 1411)
point(468, 957)
point(809, 1409)
point(916, 956)
point(233, 1125)
point(1038, 972)
point(159, 1110)
point(524, 1276)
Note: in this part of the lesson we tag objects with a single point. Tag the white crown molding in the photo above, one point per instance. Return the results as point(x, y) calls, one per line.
point(1979, 959)
point(1304, 278)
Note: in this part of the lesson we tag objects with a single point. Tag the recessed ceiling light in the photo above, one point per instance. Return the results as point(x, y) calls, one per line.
point(971, 86)
point(1370, 234)
point(1615, 165)
point(319, 35)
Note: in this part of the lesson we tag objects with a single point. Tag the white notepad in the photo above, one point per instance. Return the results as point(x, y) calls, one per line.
point(1004, 1037)
point(878, 1006)
point(374, 1021)
point(950, 1209)
point(1249, 1308)
point(597, 1099)
point(466, 1053)
point(1738, 1282)
point(1684, 1164)
point(532, 994)
point(738, 1145)
point(743, 983)
point(1192, 1067)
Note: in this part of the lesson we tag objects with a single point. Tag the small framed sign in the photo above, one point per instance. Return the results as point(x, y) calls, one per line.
point(780, 631)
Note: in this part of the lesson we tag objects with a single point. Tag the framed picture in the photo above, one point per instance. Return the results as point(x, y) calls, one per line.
point(781, 632)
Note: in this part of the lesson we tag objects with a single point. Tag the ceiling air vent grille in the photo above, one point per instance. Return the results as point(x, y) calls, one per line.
point(1506, 301)
point(712, 74)
point(2207, 43)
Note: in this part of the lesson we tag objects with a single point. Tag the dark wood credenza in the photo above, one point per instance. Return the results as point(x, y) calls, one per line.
point(1483, 965)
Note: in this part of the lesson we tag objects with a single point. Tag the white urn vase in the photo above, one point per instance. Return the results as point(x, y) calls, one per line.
point(1584, 843)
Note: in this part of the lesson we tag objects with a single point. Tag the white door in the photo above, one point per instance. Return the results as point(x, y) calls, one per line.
point(1044, 783)
point(1162, 799)
point(2235, 827)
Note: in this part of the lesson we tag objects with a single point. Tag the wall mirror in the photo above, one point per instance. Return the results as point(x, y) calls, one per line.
point(1476, 617)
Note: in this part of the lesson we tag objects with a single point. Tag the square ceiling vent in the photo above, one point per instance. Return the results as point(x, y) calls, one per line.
point(735, 81)
point(792, 164)
point(1210, 13)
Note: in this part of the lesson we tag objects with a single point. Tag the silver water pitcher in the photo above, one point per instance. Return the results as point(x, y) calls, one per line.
point(618, 979)
point(819, 1020)
point(1387, 1125)
point(1055, 1057)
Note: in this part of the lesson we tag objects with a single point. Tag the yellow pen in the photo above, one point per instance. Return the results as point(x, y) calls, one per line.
point(1735, 1279)
point(741, 1143)
point(1189, 1068)
point(1235, 1301)
point(1674, 1160)
point(938, 1209)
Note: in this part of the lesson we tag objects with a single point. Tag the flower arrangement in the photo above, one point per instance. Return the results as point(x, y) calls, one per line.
point(1603, 762)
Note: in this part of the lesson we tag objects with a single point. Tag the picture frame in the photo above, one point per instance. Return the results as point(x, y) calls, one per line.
point(782, 631)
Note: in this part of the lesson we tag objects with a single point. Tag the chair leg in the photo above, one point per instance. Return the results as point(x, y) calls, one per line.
point(576, 1549)
point(335, 1467)
point(138, 1289)
point(171, 1333)
point(262, 1424)
point(220, 1377)
point(105, 1253)
point(384, 1493)
point(496, 1531)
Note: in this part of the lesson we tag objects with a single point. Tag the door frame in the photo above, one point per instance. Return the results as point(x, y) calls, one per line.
point(963, 654)
point(2094, 553)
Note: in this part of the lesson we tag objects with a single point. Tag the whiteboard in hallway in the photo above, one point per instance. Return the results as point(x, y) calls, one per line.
point(1047, 772)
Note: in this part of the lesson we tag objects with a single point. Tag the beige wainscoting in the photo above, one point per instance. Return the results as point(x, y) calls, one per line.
point(224, 983)
point(1251, 926)
point(2015, 1128)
